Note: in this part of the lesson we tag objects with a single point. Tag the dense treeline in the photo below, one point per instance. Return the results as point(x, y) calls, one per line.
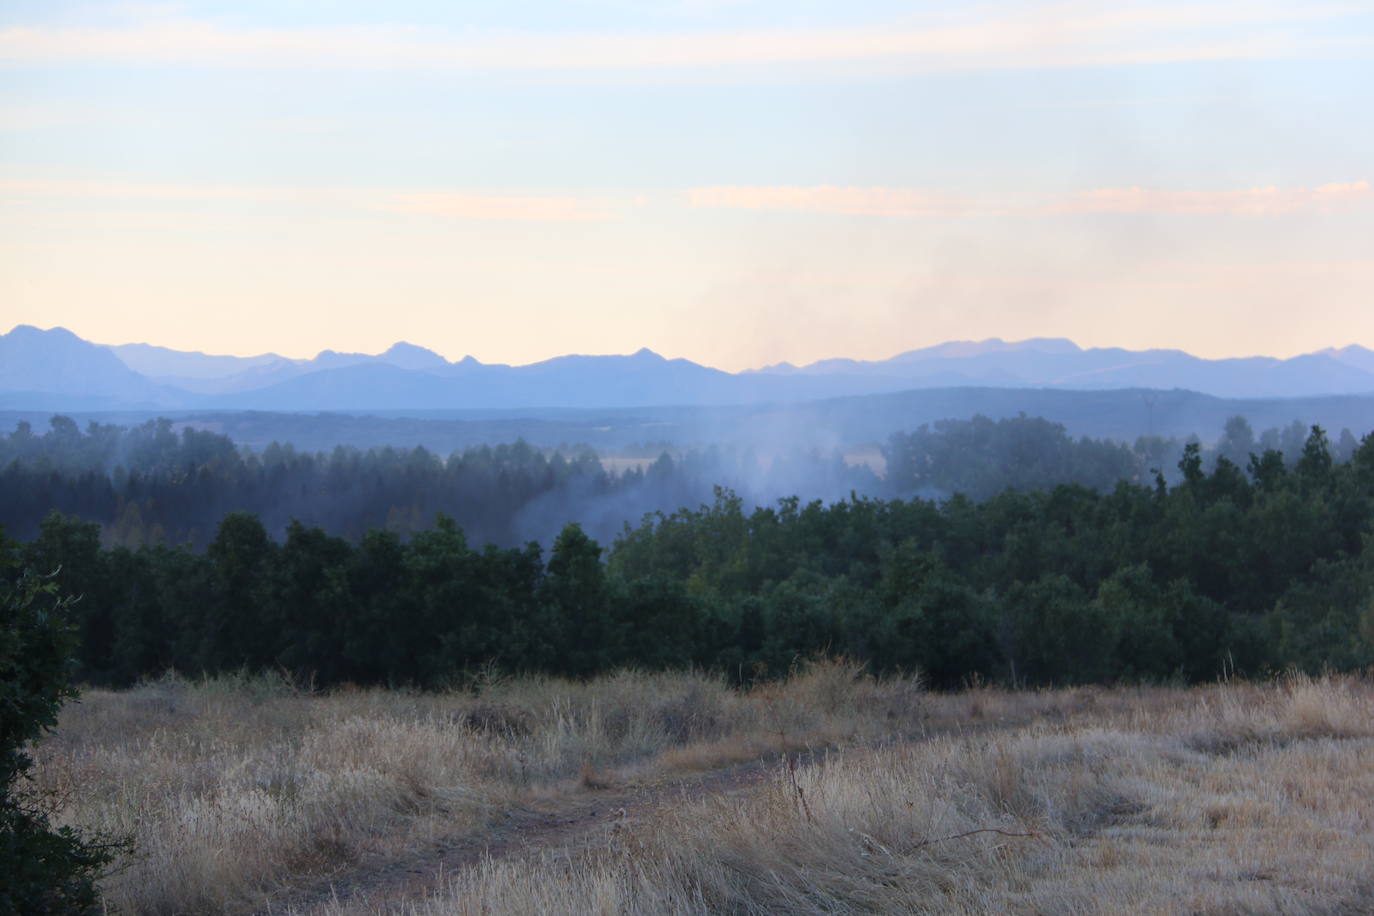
point(157, 484)
point(981, 457)
point(152, 484)
point(1264, 566)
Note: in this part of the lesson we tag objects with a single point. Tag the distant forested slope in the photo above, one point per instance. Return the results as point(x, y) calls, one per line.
point(153, 484)
point(842, 422)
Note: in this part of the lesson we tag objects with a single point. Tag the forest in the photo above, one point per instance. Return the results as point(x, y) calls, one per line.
point(1056, 561)
point(155, 483)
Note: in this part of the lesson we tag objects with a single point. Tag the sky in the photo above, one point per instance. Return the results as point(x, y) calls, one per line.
point(737, 182)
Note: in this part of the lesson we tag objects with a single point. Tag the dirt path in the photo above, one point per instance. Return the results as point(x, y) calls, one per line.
point(562, 824)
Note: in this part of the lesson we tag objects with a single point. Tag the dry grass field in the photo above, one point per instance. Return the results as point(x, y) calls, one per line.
point(828, 792)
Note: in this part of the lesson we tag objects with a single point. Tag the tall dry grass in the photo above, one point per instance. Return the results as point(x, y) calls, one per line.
point(236, 790)
point(1239, 799)
point(1234, 798)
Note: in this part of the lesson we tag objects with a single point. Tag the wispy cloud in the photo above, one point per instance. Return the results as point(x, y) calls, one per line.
point(826, 199)
point(445, 204)
point(1055, 35)
point(908, 202)
point(1263, 201)
point(891, 202)
point(98, 190)
point(476, 206)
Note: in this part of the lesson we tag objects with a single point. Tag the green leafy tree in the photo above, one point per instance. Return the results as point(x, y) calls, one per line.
point(245, 631)
point(141, 642)
point(444, 587)
point(656, 621)
point(44, 870)
point(1314, 467)
point(1237, 441)
point(1320, 623)
point(70, 549)
point(312, 565)
point(575, 589)
point(803, 621)
point(1053, 633)
point(1145, 621)
point(940, 624)
point(374, 602)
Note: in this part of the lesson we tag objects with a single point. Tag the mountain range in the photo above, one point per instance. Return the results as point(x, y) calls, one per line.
point(57, 370)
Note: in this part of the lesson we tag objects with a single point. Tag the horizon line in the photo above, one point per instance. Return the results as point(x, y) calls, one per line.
point(652, 352)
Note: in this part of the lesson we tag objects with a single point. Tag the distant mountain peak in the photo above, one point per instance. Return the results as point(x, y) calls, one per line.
point(57, 362)
point(962, 349)
point(1048, 345)
point(1347, 350)
point(1350, 355)
point(782, 368)
point(402, 353)
point(23, 331)
point(410, 356)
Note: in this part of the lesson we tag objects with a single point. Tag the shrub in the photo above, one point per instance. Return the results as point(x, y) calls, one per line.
point(47, 870)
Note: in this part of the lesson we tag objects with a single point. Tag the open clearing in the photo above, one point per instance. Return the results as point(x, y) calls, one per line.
point(644, 793)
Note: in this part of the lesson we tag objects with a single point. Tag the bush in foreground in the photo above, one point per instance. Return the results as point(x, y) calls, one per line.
point(47, 871)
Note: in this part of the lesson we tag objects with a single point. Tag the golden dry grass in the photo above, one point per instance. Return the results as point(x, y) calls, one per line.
point(1229, 800)
point(1235, 798)
point(237, 789)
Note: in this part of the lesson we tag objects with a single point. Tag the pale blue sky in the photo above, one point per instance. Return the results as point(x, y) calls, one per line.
point(734, 182)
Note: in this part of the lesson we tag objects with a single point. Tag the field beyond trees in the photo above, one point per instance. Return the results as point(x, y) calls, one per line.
point(830, 791)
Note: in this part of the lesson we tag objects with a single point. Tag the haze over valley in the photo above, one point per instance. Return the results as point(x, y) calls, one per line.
point(686, 457)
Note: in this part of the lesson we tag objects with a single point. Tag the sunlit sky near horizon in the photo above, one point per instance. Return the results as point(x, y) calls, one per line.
point(730, 181)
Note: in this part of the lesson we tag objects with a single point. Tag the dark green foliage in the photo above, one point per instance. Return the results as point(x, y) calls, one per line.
point(575, 593)
point(656, 625)
point(241, 628)
point(982, 457)
point(372, 605)
point(141, 643)
point(1225, 569)
point(44, 870)
point(1318, 622)
point(1050, 620)
point(71, 548)
point(148, 485)
point(311, 589)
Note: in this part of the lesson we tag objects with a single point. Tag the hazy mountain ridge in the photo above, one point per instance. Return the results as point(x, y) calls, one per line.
point(163, 362)
point(1059, 363)
point(54, 369)
point(204, 373)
